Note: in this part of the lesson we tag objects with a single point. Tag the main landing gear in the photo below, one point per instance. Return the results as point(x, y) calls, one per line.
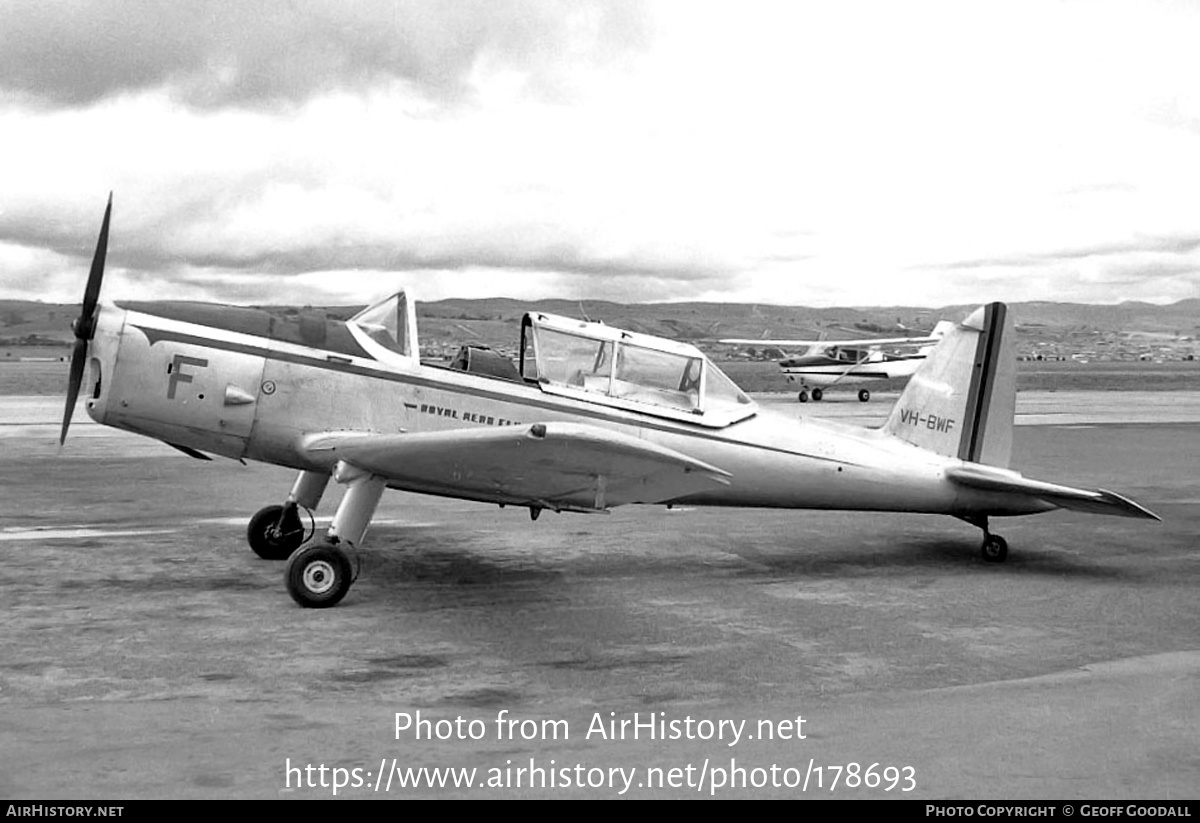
point(995, 547)
point(818, 394)
point(318, 575)
point(275, 532)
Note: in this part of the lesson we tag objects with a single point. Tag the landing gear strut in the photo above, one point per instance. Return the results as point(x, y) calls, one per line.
point(319, 576)
point(995, 547)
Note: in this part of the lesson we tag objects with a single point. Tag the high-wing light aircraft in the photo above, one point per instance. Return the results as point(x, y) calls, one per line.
point(590, 417)
point(826, 363)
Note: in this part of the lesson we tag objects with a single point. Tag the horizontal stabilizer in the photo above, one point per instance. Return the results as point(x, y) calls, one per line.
point(1063, 497)
point(558, 466)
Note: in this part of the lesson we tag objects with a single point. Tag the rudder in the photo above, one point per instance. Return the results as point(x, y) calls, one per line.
point(961, 402)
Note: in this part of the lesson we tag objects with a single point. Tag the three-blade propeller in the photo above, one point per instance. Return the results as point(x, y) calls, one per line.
point(85, 324)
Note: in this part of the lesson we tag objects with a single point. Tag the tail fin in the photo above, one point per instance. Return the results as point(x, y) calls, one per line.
point(961, 402)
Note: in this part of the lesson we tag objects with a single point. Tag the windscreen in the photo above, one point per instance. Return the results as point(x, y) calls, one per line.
point(386, 323)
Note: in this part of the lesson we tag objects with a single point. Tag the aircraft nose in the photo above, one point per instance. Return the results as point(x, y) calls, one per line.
point(101, 363)
point(94, 390)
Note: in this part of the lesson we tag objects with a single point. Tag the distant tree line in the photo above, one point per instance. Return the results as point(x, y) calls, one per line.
point(33, 340)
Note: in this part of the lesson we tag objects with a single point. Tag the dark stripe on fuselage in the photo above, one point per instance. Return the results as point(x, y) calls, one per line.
point(843, 373)
point(155, 335)
point(833, 362)
point(983, 378)
point(814, 362)
point(311, 329)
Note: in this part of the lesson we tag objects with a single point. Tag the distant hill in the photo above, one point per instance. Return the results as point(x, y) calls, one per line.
point(692, 321)
point(494, 321)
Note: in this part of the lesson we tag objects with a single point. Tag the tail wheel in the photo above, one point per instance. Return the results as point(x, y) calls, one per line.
point(863, 395)
point(995, 548)
point(319, 576)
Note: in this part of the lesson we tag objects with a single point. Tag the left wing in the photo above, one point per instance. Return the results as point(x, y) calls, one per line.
point(558, 466)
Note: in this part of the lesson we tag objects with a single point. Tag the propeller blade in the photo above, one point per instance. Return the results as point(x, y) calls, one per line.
point(85, 325)
point(78, 360)
point(92, 293)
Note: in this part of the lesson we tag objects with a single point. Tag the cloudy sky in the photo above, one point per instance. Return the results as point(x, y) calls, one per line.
point(816, 153)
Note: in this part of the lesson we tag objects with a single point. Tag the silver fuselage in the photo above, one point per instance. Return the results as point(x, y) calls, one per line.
point(251, 397)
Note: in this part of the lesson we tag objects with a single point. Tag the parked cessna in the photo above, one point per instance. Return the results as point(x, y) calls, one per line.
point(590, 417)
point(826, 363)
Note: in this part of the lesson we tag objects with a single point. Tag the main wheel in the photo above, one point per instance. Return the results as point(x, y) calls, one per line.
point(318, 576)
point(802, 397)
point(863, 395)
point(818, 394)
point(275, 532)
point(995, 548)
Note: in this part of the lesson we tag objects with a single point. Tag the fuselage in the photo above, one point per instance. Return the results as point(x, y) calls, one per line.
point(256, 388)
point(826, 370)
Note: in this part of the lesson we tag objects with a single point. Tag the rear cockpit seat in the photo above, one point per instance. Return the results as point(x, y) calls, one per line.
point(485, 361)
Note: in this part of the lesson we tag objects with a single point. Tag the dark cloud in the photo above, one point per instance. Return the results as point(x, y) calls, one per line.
point(218, 53)
point(422, 256)
point(1153, 245)
point(170, 242)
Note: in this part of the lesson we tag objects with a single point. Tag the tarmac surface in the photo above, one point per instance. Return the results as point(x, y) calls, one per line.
point(148, 654)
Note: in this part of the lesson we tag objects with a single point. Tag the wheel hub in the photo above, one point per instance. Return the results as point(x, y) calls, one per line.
point(319, 576)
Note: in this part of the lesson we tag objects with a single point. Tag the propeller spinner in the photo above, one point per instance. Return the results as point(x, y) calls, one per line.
point(85, 324)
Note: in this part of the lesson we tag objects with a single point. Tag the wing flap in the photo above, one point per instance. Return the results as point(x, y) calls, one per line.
point(558, 466)
point(1100, 501)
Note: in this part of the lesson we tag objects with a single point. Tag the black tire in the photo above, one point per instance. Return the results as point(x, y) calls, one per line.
point(995, 548)
point(818, 394)
point(274, 534)
point(318, 576)
point(802, 397)
point(863, 395)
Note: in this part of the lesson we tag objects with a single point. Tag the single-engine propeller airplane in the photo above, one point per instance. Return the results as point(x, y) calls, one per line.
point(590, 417)
point(826, 363)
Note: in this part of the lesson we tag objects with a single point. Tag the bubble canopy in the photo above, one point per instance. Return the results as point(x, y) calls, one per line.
point(600, 364)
